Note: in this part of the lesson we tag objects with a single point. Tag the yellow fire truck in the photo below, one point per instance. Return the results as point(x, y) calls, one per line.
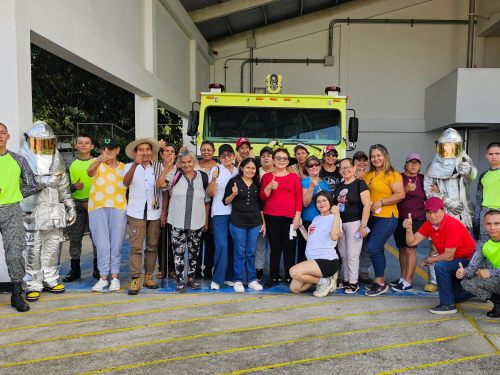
point(274, 119)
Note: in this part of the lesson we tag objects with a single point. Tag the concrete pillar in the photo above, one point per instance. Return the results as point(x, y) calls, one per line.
point(146, 116)
point(15, 71)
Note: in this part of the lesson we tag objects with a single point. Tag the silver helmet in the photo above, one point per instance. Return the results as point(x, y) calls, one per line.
point(450, 144)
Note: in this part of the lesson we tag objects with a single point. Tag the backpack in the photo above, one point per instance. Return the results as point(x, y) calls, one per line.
point(180, 172)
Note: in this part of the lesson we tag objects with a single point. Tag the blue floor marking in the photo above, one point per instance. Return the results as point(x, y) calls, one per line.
point(393, 272)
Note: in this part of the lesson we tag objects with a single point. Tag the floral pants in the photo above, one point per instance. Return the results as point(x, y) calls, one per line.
point(179, 239)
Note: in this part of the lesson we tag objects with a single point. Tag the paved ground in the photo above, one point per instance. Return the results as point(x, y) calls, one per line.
point(208, 333)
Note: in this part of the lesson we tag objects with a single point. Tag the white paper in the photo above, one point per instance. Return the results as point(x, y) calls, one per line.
point(293, 233)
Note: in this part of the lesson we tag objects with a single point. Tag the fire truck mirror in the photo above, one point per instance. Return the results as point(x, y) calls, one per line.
point(353, 129)
point(194, 118)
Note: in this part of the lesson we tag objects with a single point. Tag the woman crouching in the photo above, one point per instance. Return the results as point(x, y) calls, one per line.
point(322, 261)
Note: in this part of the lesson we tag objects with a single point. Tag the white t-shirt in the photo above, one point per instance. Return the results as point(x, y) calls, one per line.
point(319, 243)
point(218, 208)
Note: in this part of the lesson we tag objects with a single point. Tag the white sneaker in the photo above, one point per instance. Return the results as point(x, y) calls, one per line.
point(255, 285)
point(214, 286)
point(100, 285)
point(322, 290)
point(228, 283)
point(115, 285)
point(238, 287)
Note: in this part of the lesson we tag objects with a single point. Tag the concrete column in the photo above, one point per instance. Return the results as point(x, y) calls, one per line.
point(15, 71)
point(146, 116)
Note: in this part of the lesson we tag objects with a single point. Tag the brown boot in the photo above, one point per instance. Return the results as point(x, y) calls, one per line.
point(149, 283)
point(134, 286)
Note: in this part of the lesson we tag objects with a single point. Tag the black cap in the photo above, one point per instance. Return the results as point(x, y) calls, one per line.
point(359, 155)
point(268, 149)
point(225, 147)
point(109, 143)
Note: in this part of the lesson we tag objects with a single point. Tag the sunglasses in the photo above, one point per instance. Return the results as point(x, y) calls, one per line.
point(345, 168)
point(279, 158)
point(331, 154)
point(228, 155)
point(313, 165)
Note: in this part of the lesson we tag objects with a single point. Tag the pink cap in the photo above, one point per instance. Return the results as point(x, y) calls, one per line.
point(329, 149)
point(413, 156)
point(242, 140)
point(434, 204)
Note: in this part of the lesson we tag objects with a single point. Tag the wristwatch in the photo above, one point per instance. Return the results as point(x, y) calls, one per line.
point(363, 226)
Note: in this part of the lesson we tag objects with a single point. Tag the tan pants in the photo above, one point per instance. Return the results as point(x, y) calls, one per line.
point(140, 229)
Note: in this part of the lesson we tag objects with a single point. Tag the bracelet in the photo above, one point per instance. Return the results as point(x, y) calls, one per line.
point(163, 214)
point(382, 203)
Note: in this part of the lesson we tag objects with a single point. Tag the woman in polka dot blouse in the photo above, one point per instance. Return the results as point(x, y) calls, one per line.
point(107, 213)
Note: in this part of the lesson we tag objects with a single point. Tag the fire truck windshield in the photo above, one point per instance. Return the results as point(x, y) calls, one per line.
point(259, 124)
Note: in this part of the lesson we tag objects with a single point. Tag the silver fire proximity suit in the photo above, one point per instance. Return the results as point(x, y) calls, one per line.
point(46, 213)
point(451, 171)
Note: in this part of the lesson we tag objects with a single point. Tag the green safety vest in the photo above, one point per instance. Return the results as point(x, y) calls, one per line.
point(9, 183)
point(491, 189)
point(78, 170)
point(491, 251)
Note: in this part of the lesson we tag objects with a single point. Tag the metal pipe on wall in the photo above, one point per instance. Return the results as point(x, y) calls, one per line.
point(470, 35)
point(389, 21)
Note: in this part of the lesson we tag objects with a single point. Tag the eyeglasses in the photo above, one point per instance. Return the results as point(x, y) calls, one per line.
point(279, 158)
point(224, 156)
point(331, 154)
point(346, 168)
point(313, 165)
point(413, 162)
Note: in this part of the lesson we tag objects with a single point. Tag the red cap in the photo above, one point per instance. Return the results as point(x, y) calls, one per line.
point(240, 141)
point(434, 204)
point(329, 149)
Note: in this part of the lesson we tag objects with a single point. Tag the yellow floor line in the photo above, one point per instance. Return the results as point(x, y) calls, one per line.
point(419, 271)
point(479, 307)
point(135, 313)
point(347, 354)
point(478, 329)
point(434, 364)
point(264, 346)
point(210, 334)
point(488, 320)
point(183, 321)
point(102, 304)
point(63, 297)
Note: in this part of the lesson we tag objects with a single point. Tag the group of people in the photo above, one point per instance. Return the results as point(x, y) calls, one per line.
point(329, 220)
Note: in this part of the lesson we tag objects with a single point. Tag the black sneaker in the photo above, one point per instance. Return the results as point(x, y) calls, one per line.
point(280, 278)
point(377, 290)
point(394, 283)
point(271, 283)
point(444, 309)
point(401, 288)
point(193, 285)
point(180, 288)
point(370, 286)
point(260, 275)
point(207, 273)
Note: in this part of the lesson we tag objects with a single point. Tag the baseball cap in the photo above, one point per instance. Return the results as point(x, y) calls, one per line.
point(330, 148)
point(358, 155)
point(413, 156)
point(300, 145)
point(434, 204)
point(240, 141)
point(109, 143)
point(266, 149)
point(225, 147)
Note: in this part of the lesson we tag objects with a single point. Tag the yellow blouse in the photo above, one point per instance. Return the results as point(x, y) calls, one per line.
point(107, 189)
point(380, 188)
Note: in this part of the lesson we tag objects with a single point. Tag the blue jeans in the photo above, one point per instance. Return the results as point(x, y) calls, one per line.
point(224, 250)
point(245, 242)
point(450, 288)
point(381, 229)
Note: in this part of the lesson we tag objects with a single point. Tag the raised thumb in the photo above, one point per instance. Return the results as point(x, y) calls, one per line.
point(409, 216)
point(235, 184)
point(274, 177)
point(78, 180)
point(460, 265)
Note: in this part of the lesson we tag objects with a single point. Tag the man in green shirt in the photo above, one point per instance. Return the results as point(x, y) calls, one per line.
point(17, 182)
point(488, 188)
point(482, 276)
point(76, 169)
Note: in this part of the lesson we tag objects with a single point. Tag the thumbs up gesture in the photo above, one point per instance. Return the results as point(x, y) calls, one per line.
point(460, 271)
point(235, 189)
point(274, 183)
point(410, 187)
point(408, 223)
point(78, 185)
point(215, 174)
point(313, 184)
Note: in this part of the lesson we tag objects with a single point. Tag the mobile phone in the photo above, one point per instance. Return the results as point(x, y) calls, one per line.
point(377, 211)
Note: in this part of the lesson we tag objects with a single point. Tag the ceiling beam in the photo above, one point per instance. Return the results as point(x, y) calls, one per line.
point(301, 7)
point(229, 27)
point(264, 12)
point(225, 9)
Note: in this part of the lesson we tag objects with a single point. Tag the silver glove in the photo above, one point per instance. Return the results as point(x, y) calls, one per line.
point(453, 206)
point(71, 209)
point(463, 168)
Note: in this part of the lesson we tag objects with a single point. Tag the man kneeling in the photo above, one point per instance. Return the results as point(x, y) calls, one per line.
point(322, 261)
point(454, 245)
point(482, 276)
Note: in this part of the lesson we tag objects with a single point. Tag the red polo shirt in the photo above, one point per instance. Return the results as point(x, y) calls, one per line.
point(450, 234)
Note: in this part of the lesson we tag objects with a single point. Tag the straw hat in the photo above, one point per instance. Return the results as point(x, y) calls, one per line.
point(129, 150)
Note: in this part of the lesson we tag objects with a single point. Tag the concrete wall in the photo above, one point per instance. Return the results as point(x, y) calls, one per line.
point(383, 68)
point(149, 47)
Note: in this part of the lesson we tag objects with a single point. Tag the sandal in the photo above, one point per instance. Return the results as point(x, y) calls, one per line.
point(159, 275)
point(173, 275)
point(352, 288)
point(342, 284)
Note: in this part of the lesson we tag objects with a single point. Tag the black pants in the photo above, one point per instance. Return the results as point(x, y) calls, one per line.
point(207, 238)
point(278, 231)
point(168, 247)
point(301, 251)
